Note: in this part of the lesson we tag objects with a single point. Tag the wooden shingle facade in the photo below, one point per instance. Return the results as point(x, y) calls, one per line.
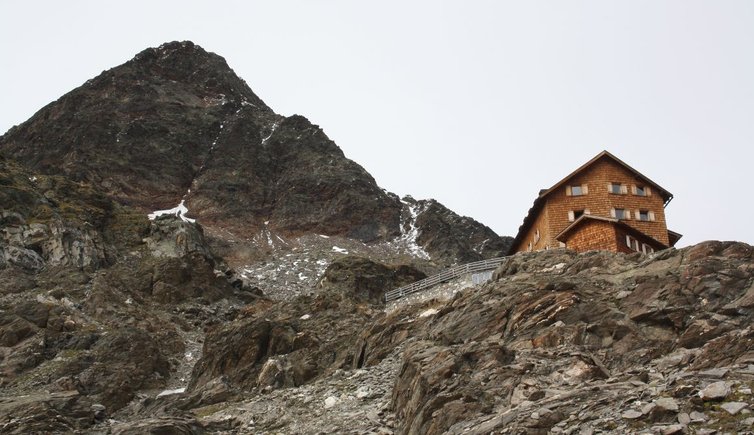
point(605, 204)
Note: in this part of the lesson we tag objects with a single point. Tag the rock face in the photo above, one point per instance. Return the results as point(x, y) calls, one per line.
point(449, 238)
point(557, 333)
point(364, 280)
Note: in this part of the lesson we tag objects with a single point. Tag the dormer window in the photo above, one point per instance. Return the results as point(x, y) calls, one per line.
point(617, 188)
point(577, 190)
point(575, 214)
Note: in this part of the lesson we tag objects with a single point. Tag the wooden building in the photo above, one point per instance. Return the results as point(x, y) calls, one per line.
point(605, 204)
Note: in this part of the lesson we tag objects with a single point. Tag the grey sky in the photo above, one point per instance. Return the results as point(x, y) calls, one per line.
point(478, 104)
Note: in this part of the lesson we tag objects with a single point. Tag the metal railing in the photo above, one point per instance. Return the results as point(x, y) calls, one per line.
point(444, 276)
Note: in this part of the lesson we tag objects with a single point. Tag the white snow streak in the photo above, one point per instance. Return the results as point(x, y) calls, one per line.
point(274, 127)
point(179, 211)
point(410, 235)
point(171, 392)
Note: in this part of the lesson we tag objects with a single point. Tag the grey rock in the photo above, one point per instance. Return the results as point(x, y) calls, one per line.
point(673, 429)
point(631, 414)
point(733, 408)
point(684, 418)
point(715, 391)
point(717, 373)
point(666, 404)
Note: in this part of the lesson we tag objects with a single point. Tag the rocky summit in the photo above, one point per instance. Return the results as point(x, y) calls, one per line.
point(177, 258)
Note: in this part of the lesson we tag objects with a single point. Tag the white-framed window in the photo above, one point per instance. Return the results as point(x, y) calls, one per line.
point(639, 190)
point(645, 215)
point(617, 188)
point(577, 190)
point(646, 248)
point(536, 235)
point(632, 243)
point(620, 213)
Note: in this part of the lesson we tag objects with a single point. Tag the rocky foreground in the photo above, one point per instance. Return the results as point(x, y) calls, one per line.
point(557, 342)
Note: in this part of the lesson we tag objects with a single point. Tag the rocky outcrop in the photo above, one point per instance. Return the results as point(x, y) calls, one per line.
point(451, 239)
point(282, 345)
point(50, 221)
point(557, 338)
point(363, 280)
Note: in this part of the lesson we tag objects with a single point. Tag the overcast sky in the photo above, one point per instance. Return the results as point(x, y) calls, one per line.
point(477, 104)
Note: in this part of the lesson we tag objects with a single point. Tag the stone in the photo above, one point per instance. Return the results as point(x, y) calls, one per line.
point(684, 418)
point(697, 417)
point(663, 409)
point(717, 373)
point(632, 414)
point(715, 391)
point(733, 408)
point(666, 404)
point(673, 429)
point(330, 402)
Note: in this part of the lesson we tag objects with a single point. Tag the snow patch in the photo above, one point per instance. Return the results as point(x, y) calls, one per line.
point(306, 317)
point(429, 312)
point(179, 211)
point(339, 250)
point(272, 131)
point(409, 235)
point(171, 392)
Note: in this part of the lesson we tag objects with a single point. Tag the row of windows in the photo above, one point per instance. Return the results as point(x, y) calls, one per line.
point(634, 244)
point(615, 187)
point(618, 213)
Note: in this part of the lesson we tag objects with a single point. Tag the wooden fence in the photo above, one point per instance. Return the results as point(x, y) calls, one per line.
point(444, 276)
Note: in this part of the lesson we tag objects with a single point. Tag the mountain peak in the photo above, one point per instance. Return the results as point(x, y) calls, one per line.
point(176, 128)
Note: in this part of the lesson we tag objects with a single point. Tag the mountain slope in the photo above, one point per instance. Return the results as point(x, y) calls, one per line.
point(113, 306)
point(176, 125)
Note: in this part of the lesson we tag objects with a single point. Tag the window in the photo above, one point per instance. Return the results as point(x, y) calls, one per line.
point(536, 235)
point(617, 188)
point(575, 214)
point(620, 213)
point(530, 246)
point(577, 190)
point(640, 190)
point(645, 215)
point(632, 243)
point(646, 249)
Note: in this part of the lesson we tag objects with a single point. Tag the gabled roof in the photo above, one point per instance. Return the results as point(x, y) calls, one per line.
point(540, 201)
point(666, 196)
point(613, 221)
